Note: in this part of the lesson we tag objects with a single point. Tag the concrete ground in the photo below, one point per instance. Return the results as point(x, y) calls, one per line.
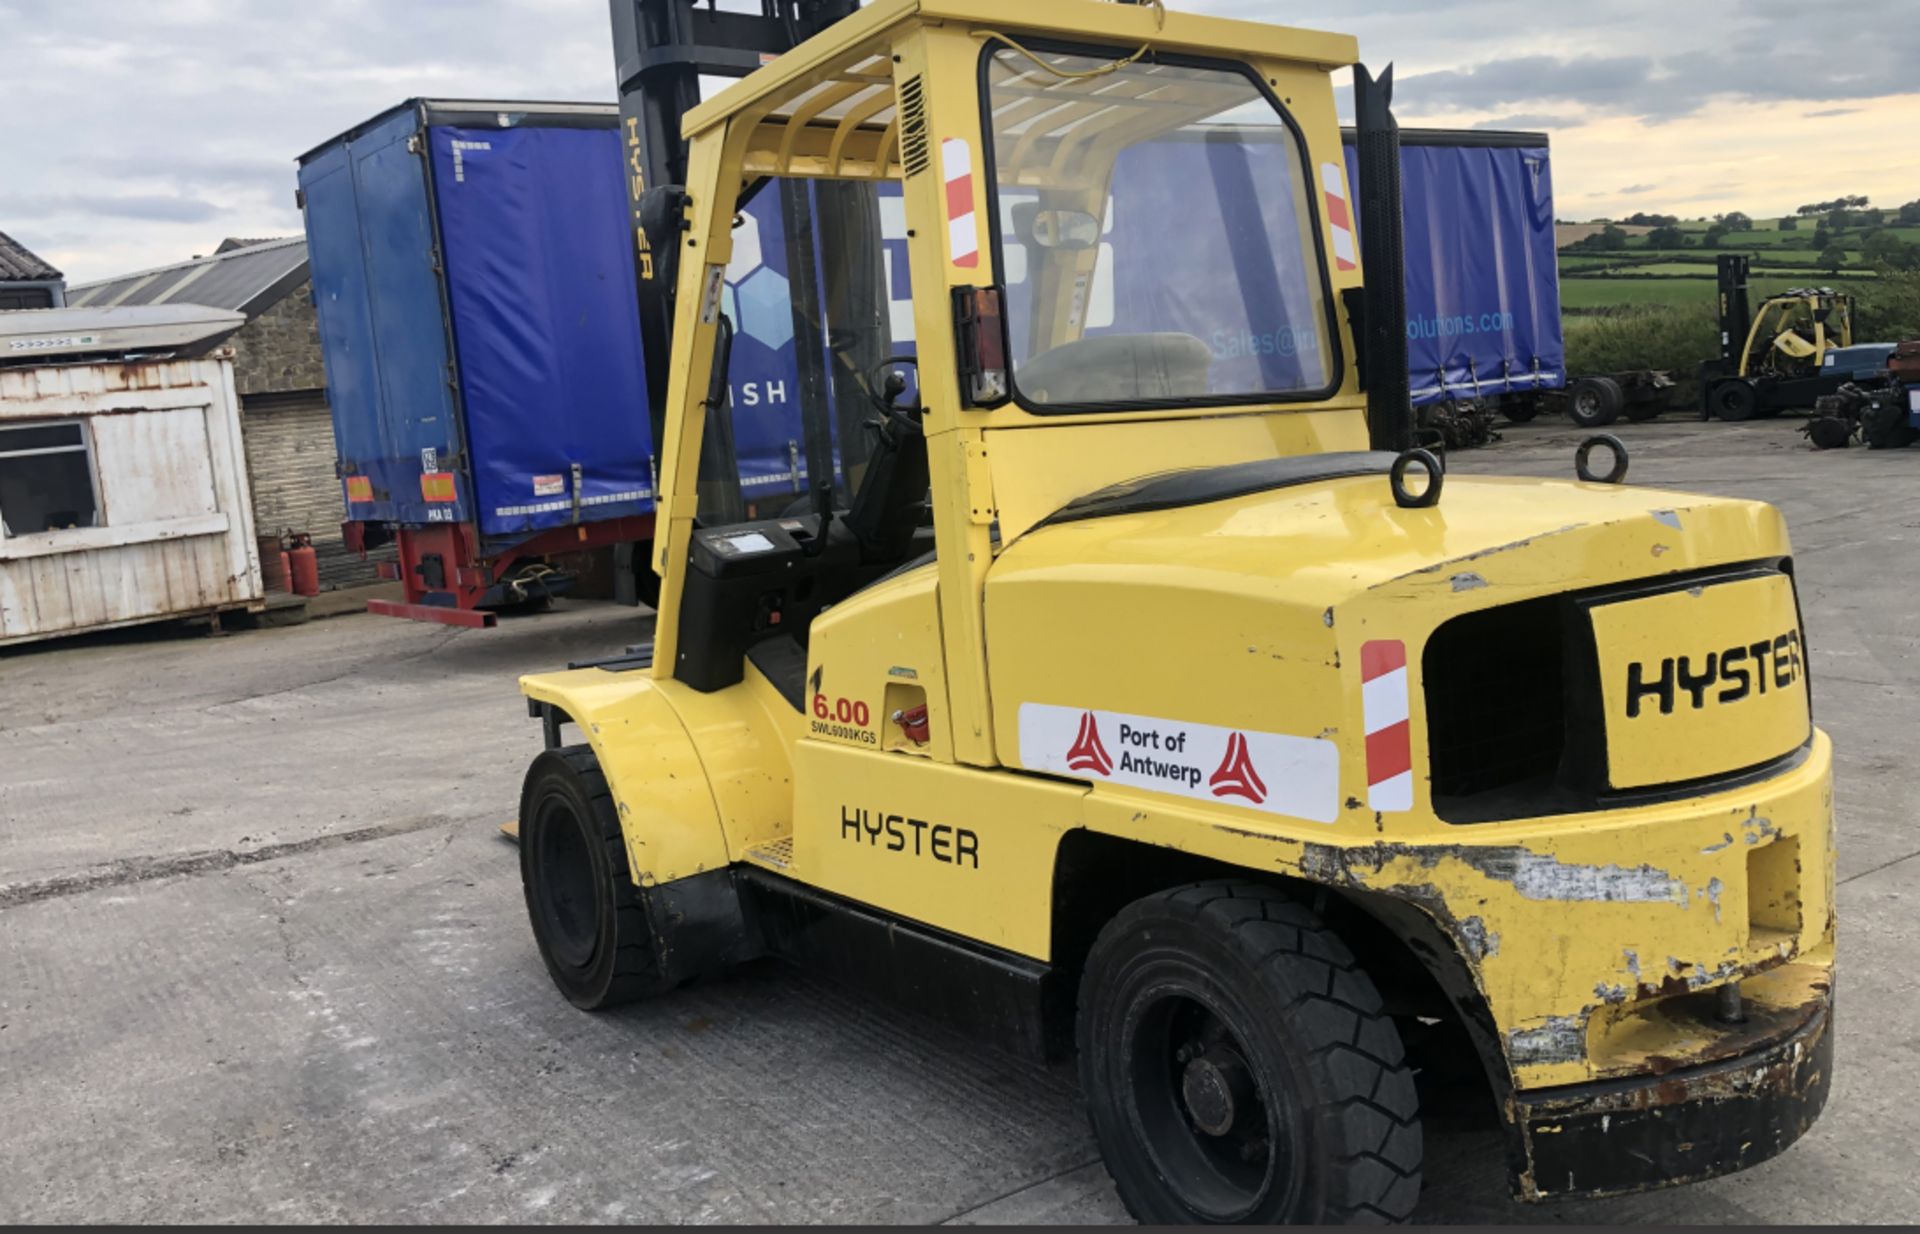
point(263, 954)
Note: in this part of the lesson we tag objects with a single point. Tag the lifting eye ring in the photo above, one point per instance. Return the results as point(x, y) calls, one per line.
point(1397, 478)
point(1619, 469)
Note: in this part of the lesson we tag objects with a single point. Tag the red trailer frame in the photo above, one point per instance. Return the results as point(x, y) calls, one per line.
point(448, 578)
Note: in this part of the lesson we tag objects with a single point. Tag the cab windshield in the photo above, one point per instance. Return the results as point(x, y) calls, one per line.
point(1155, 236)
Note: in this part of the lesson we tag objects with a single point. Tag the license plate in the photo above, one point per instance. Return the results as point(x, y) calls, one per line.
point(1702, 681)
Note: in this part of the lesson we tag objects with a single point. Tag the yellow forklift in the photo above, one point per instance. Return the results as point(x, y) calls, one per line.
point(1142, 695)
point(1795, 349)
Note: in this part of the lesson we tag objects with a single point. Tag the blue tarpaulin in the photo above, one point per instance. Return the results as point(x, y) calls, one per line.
point(1483, 283)
point(541, 287)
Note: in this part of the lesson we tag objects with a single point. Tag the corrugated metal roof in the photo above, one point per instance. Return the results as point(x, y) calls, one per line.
point(18, 264)
point(248, 280)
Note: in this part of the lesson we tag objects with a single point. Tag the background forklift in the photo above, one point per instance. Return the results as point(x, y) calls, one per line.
point(1144, 696)
point(1796, 349)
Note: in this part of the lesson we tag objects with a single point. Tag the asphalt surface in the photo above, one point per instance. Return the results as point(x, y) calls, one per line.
point(263, 954)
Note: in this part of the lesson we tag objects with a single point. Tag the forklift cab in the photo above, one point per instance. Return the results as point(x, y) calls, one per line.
point(1020, 163)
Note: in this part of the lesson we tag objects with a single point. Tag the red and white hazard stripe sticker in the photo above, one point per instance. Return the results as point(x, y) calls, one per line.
point(1383, 709)
point(963, 233)
point(1339, 217)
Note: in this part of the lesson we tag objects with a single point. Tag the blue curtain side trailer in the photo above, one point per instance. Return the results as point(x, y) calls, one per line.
point(475, 292)
point(1483, 276)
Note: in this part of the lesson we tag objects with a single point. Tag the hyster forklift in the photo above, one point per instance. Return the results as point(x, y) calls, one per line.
point(1139, 698)
point(1794, 350)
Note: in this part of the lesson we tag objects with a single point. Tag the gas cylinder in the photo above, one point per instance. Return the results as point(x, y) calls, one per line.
point(304, 568)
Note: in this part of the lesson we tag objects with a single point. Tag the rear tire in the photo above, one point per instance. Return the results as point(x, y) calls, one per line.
point(1734, 400)
point(588, 917)
point(1594, 402)
point(1237, 1066)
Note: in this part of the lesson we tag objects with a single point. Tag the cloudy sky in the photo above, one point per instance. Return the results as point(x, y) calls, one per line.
point(135, 133)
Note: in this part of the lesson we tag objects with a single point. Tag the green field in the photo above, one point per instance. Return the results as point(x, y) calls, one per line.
point(1586, 294)
point(1639, 274)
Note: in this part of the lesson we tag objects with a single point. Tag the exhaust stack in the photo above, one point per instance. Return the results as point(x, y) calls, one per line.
point(1383, 321)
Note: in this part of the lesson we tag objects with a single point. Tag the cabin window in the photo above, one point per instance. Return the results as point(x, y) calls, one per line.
point(46, 478)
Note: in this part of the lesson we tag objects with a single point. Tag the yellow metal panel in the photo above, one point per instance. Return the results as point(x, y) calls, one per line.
point(659, 785)
point(1037, 473)
point(964, 850)
point(1701, 681)
point(868, 656)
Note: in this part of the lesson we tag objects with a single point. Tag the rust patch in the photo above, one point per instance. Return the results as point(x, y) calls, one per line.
point(1557, 1039)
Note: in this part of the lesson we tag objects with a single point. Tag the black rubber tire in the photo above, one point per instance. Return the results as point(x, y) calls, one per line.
point(1303, 1024)
point(1594, 402)
point(587, 914)
point(1829, 433)
point(1734, 400)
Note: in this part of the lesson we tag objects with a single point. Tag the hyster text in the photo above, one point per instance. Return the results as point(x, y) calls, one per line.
point(941, 841)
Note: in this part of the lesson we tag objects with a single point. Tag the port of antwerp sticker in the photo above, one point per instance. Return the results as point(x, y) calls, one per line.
point(1295, 776)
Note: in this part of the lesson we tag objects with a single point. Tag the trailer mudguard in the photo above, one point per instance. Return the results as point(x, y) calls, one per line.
point(667, 809)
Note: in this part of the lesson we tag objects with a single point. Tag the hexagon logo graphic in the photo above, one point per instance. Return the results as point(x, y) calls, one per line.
point(766, 312)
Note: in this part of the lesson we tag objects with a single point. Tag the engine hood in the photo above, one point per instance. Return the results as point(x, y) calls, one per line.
point(1319, 545)
point(1240, 633)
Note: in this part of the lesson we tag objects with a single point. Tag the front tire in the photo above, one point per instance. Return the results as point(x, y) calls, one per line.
point(1237, 1066)
point(588, 916)
point(1735, 400)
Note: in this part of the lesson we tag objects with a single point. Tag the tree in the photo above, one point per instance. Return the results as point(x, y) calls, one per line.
point(1822, 237)
point(1909, 215)
point(1886, 251)
point(1715, 234)
point(1666, 237)
point(1789, 223)
point(1832, 258)
point(1613, 238)
point(1734, 220)
point(1839, 219)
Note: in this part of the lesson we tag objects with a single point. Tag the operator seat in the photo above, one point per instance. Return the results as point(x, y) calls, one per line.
point(1118, 368)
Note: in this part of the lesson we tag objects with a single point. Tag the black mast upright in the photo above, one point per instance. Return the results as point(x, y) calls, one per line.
point(1383, 262)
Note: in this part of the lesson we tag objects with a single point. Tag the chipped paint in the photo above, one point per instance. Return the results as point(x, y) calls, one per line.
point(1633, 963)
point(1726, 841)
point(1475, 939)
point(1536, 876)
point(1610, 993)
point(1469, 581)
point(1714, 888)
point(1758, 830)
point(1670, 517)
point(1556, 1039)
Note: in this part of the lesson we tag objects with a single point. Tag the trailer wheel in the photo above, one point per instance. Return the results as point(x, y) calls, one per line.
point(1520, 409)
point(1237, 1066)
point(1734, 400)
point(587, 915)
point(1594, 402)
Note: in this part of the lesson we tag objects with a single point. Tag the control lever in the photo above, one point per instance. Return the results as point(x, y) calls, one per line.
point(822, 510)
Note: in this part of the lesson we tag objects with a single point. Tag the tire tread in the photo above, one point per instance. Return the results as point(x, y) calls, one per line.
point(1376, 1172)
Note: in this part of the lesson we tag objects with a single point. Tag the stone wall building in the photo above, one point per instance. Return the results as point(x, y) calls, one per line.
point(281, 381)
